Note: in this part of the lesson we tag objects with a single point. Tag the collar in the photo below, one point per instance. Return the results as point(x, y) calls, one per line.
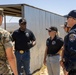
point(73, 27)
point(21, 30)
point(53, 38)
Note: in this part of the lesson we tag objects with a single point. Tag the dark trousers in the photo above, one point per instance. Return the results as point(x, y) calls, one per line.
point(72, 72)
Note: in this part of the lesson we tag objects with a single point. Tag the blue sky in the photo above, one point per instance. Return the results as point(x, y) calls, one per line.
point(61, 7)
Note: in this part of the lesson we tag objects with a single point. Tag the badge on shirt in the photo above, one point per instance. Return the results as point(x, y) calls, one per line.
point(27, 34)
point(72, 37)
point(53, 42)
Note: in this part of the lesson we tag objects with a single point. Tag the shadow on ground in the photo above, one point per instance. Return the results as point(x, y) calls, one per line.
point(43, 71)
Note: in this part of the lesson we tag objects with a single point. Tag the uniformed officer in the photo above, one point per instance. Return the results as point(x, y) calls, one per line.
point(6, 51)
point(66, 29)
point(24, 40)
point(53, 46)
point(69, 54)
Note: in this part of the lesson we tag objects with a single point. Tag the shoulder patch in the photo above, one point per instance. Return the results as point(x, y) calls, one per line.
point(53, 42)
point(27, 34)
point(72, 37)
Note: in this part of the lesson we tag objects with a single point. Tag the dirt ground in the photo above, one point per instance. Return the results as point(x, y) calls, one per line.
point(43, 71)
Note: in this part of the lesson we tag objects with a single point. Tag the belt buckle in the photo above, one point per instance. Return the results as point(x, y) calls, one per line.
point(21, 51)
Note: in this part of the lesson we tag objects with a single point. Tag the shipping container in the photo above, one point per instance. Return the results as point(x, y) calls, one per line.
point(37, 21)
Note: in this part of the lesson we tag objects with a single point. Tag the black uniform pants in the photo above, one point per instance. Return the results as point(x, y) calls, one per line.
point(72, 72)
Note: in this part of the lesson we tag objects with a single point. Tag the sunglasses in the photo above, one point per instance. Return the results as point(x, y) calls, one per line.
point(70, 17)
point(49, 30)
point(23, 23)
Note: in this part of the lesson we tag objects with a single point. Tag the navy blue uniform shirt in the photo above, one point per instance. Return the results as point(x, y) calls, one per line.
point(70, 44)
point(22, 38)
point(54, 45)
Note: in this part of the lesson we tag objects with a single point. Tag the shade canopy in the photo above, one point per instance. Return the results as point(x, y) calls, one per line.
point(12, 9)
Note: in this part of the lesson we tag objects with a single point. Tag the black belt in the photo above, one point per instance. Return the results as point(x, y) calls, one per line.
point(52, 55)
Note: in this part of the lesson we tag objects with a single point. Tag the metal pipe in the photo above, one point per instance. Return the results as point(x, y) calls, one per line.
point(22, 11)
point(5, 22)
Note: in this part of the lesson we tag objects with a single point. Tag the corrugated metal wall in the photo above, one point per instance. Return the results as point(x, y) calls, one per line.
point(37, 21)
